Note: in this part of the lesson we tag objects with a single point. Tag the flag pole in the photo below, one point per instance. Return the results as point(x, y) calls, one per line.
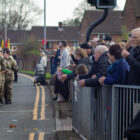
point(44, 24)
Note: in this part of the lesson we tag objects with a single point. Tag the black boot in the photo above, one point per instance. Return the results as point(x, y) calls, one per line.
point(8, 101)
point(1, 102)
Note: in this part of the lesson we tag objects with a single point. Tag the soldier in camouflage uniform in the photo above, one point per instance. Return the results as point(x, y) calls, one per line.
point(11, 66)
point(2, 76)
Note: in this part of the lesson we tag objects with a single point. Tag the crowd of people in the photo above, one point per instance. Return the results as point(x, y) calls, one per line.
point(106, 62)
point(8, 75)
point(98, 62)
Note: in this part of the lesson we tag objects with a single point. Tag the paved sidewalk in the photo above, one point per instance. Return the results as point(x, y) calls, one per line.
point(63, 115)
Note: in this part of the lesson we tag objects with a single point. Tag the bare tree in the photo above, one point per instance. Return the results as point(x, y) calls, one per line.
point(78, 14)
point(18, 14)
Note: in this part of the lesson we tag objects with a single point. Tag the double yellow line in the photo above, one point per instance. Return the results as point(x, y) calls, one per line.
point(41, 136)
point(35, 110)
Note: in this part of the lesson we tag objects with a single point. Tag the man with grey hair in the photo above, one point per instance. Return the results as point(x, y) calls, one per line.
point(133, 58)
point(99, 68)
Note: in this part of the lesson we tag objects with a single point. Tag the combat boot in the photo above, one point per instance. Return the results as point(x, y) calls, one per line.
point(1, 102)
point(8, 101)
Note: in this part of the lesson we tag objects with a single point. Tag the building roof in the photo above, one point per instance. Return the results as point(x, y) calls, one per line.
point(52, 33)
point(112, 24)
point(17, 36)
point(136, 4)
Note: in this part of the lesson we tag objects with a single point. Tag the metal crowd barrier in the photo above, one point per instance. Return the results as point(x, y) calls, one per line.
point(104, 113)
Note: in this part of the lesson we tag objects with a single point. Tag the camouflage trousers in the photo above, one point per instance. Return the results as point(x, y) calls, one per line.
point(8, 90)
point(2, 89)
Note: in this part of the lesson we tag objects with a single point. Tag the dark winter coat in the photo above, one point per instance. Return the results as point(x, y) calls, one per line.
point(134, 61)
point(99, 69)
point(84, 61)
point(117, 72)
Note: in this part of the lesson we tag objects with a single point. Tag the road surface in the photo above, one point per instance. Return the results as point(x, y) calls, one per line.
point(31, 112)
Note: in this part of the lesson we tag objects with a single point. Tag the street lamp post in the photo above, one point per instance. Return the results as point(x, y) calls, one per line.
point(45, 24)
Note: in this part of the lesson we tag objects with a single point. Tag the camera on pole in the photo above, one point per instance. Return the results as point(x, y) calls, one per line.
point(103, 4)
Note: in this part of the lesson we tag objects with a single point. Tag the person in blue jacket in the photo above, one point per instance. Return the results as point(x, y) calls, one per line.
point(118, 70)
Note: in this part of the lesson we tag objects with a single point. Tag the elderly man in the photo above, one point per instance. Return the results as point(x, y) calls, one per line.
point(99, 68)
point(133, 58)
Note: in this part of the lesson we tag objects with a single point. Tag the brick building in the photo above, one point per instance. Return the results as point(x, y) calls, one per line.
point(131, 14)
point(111, 26)
point(53, 35)
point(130, 17)
point(56, 34)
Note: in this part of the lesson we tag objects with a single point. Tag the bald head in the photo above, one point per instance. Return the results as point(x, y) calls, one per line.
point(101, 49)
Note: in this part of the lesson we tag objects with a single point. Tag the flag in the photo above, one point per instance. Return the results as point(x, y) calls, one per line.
point(2, 43)
point(6, 44)
point(9, 44)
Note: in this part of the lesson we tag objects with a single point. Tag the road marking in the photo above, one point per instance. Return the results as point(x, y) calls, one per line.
point(31, 136)
point(41, 136)
point(36, 105)
point(42, 114)
point(35, 111)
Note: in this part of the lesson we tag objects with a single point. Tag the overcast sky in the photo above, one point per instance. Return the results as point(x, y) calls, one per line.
point(59, 10)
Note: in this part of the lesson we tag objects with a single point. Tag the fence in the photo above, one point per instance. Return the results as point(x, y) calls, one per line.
point(104, 113)
point(29, 65)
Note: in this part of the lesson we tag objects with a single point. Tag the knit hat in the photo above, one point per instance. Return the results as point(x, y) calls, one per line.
point(85, 46)
point(108, 38)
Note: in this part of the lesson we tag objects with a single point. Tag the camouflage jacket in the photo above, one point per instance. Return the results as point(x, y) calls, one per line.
point(11, 66)
point(2, 68)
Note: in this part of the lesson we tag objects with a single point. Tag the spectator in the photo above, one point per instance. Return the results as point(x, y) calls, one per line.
point(133, 58)
point(65, 56)
point(43, 61)
point(122, 45)
point(80, 58)
point(108, 40)
point(56, 60)
point(119, 68)
point(99, 68)
point(88, 49)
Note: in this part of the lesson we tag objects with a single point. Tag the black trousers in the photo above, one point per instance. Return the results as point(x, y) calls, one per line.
point(62, 88)
point(133, 131)
point(15, 76)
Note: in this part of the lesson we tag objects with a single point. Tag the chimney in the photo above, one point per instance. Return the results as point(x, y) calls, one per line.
point(60, 26)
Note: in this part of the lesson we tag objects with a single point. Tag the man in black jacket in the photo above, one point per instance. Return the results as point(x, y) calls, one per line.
point(99, 68)
point(133, 59)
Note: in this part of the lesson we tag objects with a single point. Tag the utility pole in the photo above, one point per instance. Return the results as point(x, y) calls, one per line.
point(5, 23)
point(44, 24)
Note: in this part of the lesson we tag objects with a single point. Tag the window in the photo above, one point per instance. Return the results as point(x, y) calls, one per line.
point(49, 45)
